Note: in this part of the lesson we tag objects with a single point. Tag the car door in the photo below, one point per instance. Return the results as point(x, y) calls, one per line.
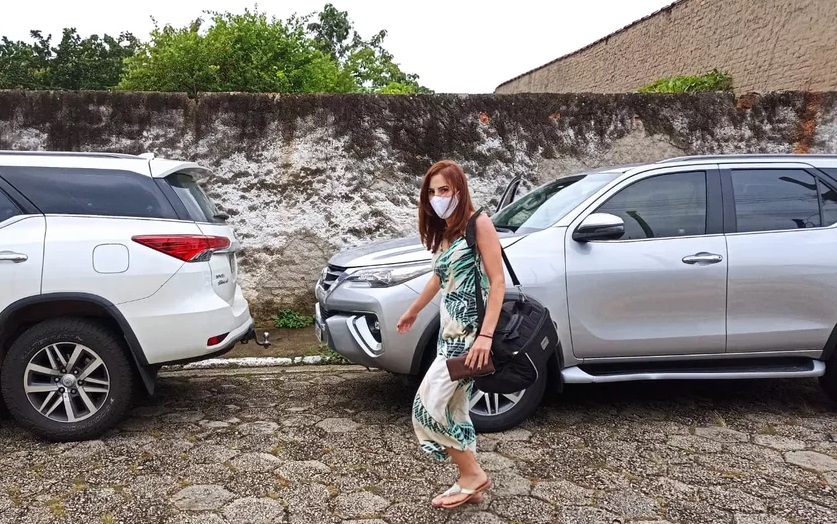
point(782, 242)
point(661, 288)
point(21, 251)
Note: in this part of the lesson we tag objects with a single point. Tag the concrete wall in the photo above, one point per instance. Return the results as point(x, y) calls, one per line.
point(766, 45)
point(305, 176)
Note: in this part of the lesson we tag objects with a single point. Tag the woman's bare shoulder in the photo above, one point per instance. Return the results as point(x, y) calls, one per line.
point(484, 223)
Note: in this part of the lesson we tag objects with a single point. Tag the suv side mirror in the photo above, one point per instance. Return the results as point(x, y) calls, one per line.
point(599, 226)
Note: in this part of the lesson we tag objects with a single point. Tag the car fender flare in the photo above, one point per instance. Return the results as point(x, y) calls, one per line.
point(146, 371)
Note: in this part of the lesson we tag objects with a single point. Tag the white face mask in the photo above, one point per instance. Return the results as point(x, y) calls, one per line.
point(444, 206)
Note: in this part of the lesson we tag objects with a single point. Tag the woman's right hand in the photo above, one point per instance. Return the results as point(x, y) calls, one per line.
point(406, 321)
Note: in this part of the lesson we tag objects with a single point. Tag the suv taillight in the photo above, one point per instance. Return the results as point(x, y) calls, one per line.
point(189, 248)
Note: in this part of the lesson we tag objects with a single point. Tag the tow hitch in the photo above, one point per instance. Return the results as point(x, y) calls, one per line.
point(251, 335)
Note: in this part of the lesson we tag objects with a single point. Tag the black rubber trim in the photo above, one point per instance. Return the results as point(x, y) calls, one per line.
point(728, 196)
point(698, 366)
point(250, 334)
point(830, 345)
point(137, 353)
point(422, 346)
point(555, 363)
point(714, 203)
point(829, 173)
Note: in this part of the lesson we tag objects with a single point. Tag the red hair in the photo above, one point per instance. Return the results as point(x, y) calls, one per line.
point(434, 230)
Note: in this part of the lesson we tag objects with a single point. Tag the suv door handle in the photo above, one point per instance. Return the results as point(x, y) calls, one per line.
point(706, 258)
point(8, 256)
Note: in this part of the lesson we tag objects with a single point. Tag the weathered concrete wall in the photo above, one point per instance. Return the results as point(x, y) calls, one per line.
point(767, 45)
point(304, 176)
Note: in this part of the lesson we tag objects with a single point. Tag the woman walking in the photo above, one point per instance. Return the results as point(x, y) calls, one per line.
point(441, 416)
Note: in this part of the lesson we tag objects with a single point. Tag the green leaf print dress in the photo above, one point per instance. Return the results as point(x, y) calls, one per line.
point(441, 416)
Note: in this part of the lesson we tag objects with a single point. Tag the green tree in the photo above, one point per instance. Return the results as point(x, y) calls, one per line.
point(371, 66)
point(21, 66)
point(75, 63)
point(237, 52)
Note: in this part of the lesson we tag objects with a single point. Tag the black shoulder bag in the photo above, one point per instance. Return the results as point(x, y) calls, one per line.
point(525, 336)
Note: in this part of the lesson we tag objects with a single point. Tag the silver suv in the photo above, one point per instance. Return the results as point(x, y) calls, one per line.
point(707, 267)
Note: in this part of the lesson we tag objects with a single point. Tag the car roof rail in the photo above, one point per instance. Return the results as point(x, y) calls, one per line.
point(89, 154)
point(745, 156)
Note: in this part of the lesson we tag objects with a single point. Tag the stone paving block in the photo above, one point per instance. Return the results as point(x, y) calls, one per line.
point(629, 504)
point(360, 504)
point(563, 493)
point(779, 443)
point(338, 425)
point(255, 462)
point(722, 434)
point(812, 460)
point(202, 497)
point(252, 510)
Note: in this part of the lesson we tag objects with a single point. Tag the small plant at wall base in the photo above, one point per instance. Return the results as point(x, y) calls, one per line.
point(712, 81)
point(290, 319)
point(329, 356)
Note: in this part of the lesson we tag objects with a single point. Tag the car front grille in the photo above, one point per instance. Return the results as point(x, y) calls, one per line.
point(330, 276)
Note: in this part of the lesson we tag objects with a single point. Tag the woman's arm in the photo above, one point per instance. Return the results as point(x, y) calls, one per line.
point(409, 317)
point(488, 244)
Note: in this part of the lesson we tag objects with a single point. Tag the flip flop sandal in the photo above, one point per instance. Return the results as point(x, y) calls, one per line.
point(455, 490)
point(470, 494)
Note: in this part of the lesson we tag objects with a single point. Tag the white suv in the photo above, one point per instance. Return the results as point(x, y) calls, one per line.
point(110, 267)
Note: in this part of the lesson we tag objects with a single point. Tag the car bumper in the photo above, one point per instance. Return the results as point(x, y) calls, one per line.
point(171, 329)
point(346, 319)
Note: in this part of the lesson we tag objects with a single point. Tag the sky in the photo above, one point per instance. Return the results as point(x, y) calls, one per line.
point(455, 46)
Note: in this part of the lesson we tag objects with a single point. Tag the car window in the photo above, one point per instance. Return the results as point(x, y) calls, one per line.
point(828, 197)
point(198, 205)
point(775, 199)
point(8, 209)
point(90, 192)
point(547, 204)
point(662, 206)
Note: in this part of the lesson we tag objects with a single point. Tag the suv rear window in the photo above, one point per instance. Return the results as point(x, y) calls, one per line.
point(100, 192)
point(198, 205)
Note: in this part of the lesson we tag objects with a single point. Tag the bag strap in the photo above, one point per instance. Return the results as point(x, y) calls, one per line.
point(471, 240)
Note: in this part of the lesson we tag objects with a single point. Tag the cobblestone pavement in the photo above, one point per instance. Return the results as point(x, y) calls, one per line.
point(323, 444)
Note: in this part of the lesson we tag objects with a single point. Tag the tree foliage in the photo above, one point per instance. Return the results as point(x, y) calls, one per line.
point(237, 52)
point(75, 63)
point(255, 53)
point(317, 53)
point(370, 65)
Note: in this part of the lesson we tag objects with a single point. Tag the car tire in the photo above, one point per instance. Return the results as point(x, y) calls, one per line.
point(828, 381)
point(88, 398)
point(497, 412)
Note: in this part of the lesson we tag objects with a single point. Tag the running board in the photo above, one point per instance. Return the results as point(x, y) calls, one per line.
point(593, 374)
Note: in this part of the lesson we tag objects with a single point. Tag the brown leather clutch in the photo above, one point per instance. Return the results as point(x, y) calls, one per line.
point(458, 370)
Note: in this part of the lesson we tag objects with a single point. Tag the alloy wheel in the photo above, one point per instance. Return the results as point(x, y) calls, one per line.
point(493, 404)
point(66, 382)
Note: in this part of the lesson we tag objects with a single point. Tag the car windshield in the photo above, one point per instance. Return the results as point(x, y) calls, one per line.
point(547, 204)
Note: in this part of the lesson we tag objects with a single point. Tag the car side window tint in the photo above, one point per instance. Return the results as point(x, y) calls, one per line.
point(100, 192)
point(828, 197)
point(662, 206)
point(8, 209)
point(775, 199)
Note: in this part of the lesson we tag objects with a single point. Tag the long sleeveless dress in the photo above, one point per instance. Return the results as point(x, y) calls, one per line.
point(441, 416)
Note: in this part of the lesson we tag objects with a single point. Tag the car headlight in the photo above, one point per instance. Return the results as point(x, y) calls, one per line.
point(387, 276)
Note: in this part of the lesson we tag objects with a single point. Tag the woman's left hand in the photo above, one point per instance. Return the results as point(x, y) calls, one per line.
point(478, 355)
